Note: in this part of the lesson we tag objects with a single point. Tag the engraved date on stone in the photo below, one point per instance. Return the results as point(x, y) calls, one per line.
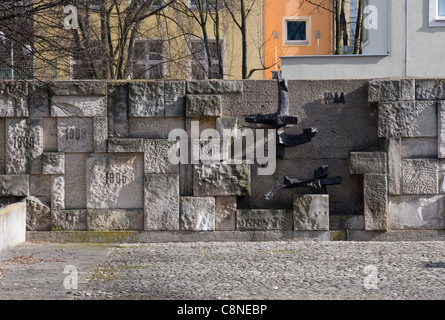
point(115, 178)
point(75, 133)
point(23, 142)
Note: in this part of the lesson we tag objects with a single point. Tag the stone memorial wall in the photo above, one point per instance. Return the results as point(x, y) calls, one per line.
point(95, 156)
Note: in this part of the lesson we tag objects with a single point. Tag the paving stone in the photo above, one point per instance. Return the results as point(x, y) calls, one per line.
point(417, 212)
point(75, 135)
point(367, 162)
point(118, 122)
point(68, 220)
point(311, 212)
point(75, 181)
point(197, 213)
point(57, 192)
point(24, 143)
point(407, 119)
point(79, 88)
point(221, 180)
point(53, 163)
point(225, 213)
point(38, 215)
point(100, 134)
point(420, 176)
point(78, 106)
point(161, 202)
point(125, 145)
point(13, 99)
point(203, 106)
point(14, 185)
point(115, 181)
point(430, 89)
point(394, 148)
point(146, 99)
point(114, 219)
point(264, 219)
point(174, 98)
point(156, 156)
point(376, 202)
point(214, 87)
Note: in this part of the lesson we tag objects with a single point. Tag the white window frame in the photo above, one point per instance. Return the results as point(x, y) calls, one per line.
point(434, 19)
point(308, 40)
point(203, 62)
point(147, 62)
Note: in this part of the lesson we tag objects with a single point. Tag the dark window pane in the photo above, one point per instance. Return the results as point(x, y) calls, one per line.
point(296, 30)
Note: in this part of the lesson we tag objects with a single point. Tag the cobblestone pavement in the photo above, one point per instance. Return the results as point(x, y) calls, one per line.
point(236, 271)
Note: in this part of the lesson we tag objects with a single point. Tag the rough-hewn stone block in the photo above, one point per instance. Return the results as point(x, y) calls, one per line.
point(38, 214)
point(221, 180)
point(203, 106)
point(407, 119)
point(430, 89)
point(174, 98)
point(394, 147)
point(146, 99)
point(156, 155)
point(100, 134)
point(311, 212)
point(214, 87)
point(53, 163)
point(125, 145)
point(376, 202)
point(250, 220)
point(161, 202)
point(75, 181)
point(114, 219)
point(13, 99)
point(118, 124)
point(441, 129)
point(78, 106)
point(197, 213)
point(225, 213)
point(2, 145)
point(367, 162)
point(420, 176)
point(79, 88)
point(391, 90)
point(57, 192)
point(417, 212)
point(115, 181)
point(154, 128)
point(75, 134)
point(68, 220)
point(14, 185)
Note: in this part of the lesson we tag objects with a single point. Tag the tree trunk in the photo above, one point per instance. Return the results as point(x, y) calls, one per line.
point(359, 29)
point(244, 39)
point(338, 28)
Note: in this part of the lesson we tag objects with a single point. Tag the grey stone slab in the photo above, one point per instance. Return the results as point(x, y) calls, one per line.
point(50, 135)
point(69, 220)
point(125, 145)
point(215, 87)
point(53, 163)
point(225, 213)
point(161, 202)
point(420, 176)
point(419, 148)
point(38, 214)
point(14, 99)
point(24, 144)
point(39, 185)
point(394, 149)
point(441, 129)
point(341, 222)
point(78, 106)
point(75, 181)
point(14, 185)
point(380, 91)
point(367, 162)
point(118, 122)
point(407, 119)
point(79, 88)
point(174, 98)
point(417, 212)
point(430, 89)
point(100, 134)
point(203, 106)
point(156, 156)
point(57, 192)
point(154, 128)
point(250, 220)
point(2, 145)
point(115, 181)
point(114, 219)
point(146, 99)
point(197, 213)
point(221, 180)
point(75, 134)
point(375, 202)
point(311, 212)
point(38, 100)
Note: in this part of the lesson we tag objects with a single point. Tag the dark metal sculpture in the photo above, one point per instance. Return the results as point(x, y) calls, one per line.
point(317, 185)
point(281, 119)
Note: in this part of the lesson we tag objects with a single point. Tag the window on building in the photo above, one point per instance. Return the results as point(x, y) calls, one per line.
point(156, 4)
point(437, 13)
point(148, 59)
point(297, 31)
point(441, 9)
point(203, 3)
point(84, 67)
point(200, 68)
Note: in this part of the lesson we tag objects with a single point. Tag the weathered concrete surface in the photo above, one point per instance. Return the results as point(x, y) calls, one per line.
point(14, 185)
point(419, 148)
point(197, 213)
point(12, 225)
point(53, 163)
point(225, 213)
point(125, 145)
point(154, 128)
point(156, 156)
point(394, 150)
point(420, 176)
point(367, 162)
point(75, 181)
point(78, 88)
point(376, 202)
point(78, 106)
point(203, 106)
point(75, 134)
point(261, 219)
point(146, 99)
point(441, 129)
point(38, 214)
point(13, 99)
point(114, 219)
point(392, 90)
point(69, 220)
point(214, 87)
point(311, 212)
point(430, 89)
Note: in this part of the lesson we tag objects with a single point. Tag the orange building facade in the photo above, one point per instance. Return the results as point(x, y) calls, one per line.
point(294, 28)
